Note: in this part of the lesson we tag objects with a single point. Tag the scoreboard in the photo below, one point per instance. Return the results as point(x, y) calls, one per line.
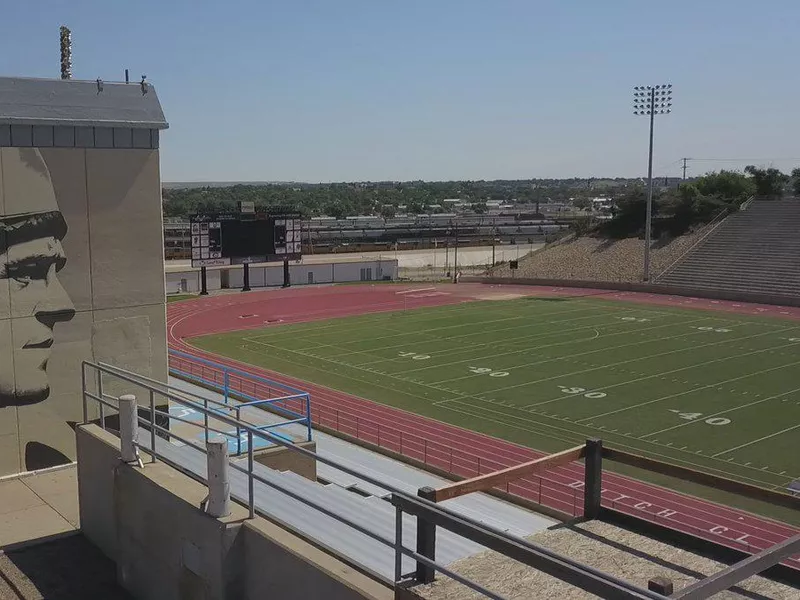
point(234, 238)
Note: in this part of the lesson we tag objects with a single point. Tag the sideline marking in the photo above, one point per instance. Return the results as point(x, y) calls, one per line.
point(761, 439)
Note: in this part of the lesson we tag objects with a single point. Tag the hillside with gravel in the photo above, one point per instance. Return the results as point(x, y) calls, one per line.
point(589, 258)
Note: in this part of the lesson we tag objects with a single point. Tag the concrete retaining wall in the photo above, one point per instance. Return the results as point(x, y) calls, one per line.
point(188, 280)
point(281, 565)
point(149, 522)
point(651, 288)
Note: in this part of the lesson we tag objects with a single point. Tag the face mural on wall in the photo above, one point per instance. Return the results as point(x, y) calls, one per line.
point(31, 255)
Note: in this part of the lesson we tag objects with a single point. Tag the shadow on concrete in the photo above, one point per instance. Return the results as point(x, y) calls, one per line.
point(69, 568)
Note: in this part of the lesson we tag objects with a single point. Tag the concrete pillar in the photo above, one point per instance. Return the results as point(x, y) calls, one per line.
point(128, 428)
point(219, 487)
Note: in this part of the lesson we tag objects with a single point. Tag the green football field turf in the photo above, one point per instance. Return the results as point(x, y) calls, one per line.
point(710, 390)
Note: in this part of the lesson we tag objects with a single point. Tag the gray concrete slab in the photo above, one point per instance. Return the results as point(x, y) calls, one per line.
point(35, 507)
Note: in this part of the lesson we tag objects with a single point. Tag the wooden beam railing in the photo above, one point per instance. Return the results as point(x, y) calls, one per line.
point(715, 481)
point(490, 480)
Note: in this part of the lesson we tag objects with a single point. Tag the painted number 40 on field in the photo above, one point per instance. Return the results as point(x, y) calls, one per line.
point(694, 416)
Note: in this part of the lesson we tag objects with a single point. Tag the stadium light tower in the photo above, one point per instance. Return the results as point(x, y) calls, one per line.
point(651, 100)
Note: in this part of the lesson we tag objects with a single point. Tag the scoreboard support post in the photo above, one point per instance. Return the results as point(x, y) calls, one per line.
point(203, 282)
point(286, 279)
point(246, 277)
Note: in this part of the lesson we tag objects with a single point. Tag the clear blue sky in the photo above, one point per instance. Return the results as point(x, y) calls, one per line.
point(343, 90)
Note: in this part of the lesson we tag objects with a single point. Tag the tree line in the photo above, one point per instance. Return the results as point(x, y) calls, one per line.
point(338, 200)
point(382, 198)
point(692, 203)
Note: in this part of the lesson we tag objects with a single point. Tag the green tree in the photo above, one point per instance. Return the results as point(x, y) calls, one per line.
point(479, 208)
point(768, 182)
point(582, 203)
point(796, 181)
point(729, 186)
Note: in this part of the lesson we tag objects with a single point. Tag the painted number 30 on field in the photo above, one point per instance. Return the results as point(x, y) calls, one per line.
point(580, 390)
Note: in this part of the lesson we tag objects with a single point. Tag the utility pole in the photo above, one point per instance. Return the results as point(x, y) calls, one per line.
point(651, 100)
point(684, 168)
point(455, 256)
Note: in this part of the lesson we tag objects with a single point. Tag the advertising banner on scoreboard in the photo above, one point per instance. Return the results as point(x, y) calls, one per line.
point(233, 238)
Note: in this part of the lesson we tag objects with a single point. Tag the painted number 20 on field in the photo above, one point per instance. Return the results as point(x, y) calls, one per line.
point(488, 371)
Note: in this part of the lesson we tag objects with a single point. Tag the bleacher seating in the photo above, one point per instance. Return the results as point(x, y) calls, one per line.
point(756, 250)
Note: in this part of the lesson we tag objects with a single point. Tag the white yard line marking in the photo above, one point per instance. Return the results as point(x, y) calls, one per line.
point(605, 366)
point(534, 348)
point(651, 376)
point(579, 435)
point(761, 439)
point(722, 412)
point(697, 389)
point(471, 345)
point(316, 328)
point(480, 323)
point(427, 289)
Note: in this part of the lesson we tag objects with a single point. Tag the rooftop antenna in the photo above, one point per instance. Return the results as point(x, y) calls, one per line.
point(66, 52)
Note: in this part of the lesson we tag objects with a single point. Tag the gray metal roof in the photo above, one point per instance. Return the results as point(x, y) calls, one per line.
point(70, 102)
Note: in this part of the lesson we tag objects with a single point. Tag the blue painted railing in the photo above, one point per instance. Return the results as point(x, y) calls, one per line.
point(224, 379)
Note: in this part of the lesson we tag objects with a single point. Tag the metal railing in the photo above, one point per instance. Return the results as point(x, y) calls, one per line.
point(254, 390)
point(439, 456)
point(429, 515)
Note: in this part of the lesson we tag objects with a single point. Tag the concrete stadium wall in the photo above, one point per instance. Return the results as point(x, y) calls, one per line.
point(652, 288)
point(81, 278)
point(189, 281)
point(272, 275)
point(147, 519)
point(332, 272)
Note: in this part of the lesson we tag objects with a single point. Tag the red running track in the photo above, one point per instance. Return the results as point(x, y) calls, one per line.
point(451, 448)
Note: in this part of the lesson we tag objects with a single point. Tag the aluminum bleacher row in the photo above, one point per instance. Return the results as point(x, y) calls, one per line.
point(755, 250)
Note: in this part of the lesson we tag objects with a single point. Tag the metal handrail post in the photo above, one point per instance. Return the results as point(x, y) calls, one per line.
point(251, 500)
point(205, 419)
point(398, 545)
point(238, 432)
point(83, 393)
point(219, 486)
point(128, 428)
point(100, 393)
point(152, 426)
point(308, 416)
